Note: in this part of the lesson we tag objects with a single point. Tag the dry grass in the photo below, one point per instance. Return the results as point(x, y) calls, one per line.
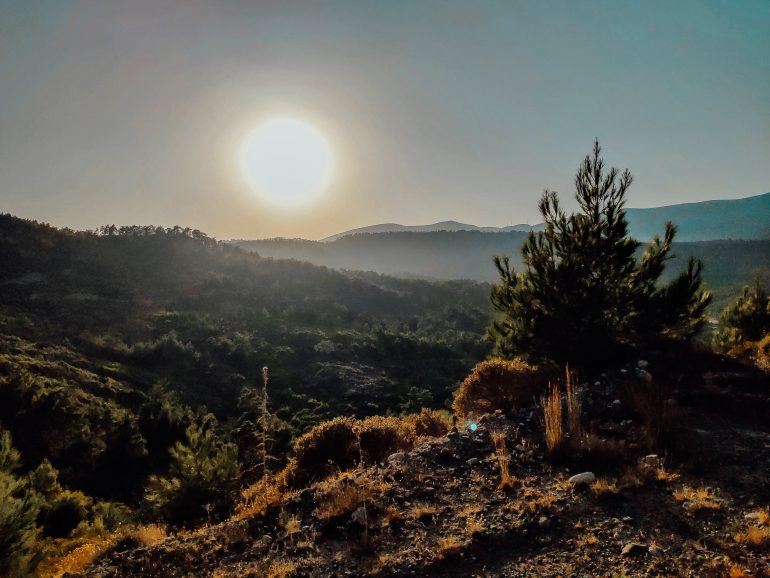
point(756, 537)
point(574, 394)
point(77, 560)
point(424, 512)
point(738, 572)
point(698, 500)
point(498, 384)
point(392, 517)
point(503, 456)
point(449, 547)
point(552, 413)
point(80, 558)
point(588, 541)
point(761, 517)
point(343, 494)
point(258, 498)
point(281, 569)
point(604, 488)
point(474, 526)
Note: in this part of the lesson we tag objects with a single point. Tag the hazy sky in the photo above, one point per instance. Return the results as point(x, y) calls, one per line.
point(131, 111)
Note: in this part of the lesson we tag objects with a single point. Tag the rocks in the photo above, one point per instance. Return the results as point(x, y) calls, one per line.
point(472, 461)
point(543, 522)
point(616, 404)
point(633, 549)
point(582, 479)
point(655, 551)
point(644, 375)
point(359, 516)
point(642, 364)
point(651, 460)
point(398, 459)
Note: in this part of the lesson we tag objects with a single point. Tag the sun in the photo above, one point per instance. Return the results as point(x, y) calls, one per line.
point(287, 161)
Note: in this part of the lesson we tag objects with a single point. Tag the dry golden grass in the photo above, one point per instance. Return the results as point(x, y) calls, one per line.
point(574, 394)
point(257, 498)
point(757, 537)
point(604, 488)
point(498, 384)
point(343, 494)
point(78, 559)
point(588, 541)
point(424, 512)
point(503, 457)
point(552, 413)
point(282, 569)
point(391, 517)
point(738, 572)
point(474, 526)
point(761, 517)
point(449, 547)
point(697, 500)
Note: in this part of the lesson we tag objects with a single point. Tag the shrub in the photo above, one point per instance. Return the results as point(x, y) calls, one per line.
point(381, 436)
point(495, 384)
point(328, 447)
point(583, 297)
point(746, 319)
point(429, 422)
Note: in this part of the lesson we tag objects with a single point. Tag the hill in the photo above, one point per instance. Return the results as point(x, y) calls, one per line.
point(114, 340)
point(728, 265)
point(441, 226)
point(489, 500)
point(745, 219)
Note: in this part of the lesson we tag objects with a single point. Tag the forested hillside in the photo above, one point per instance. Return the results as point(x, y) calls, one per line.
point(114, 339)
point(727, 265)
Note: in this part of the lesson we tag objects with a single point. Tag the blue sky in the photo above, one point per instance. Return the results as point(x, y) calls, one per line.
point(133, 111)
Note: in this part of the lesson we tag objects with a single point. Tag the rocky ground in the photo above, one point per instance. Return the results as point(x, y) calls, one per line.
point(692, 503)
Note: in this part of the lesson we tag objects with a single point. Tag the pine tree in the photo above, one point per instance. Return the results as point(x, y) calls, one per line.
point(203, 477)
point(746, 319)
point(19, 535)
point(583, 297)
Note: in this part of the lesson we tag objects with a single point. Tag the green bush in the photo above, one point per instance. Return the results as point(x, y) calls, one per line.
point(202, 480)
point(746, 319)
point(583, 297)
point(20, 548)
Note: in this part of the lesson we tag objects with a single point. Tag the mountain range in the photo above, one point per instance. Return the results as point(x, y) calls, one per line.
point(747, 218)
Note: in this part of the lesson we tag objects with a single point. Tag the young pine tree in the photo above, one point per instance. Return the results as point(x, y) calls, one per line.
point(746, 319)
point(20, 548)
point(203, 477)
point(583, 297)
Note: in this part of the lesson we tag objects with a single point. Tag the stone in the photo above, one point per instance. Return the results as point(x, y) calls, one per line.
point(651, 460)
point(397, 459)
point(597, 383)
point(655, 551)
point(633, 549)
point(642, 364)
point(644, 375)
point(359, 516)
point(623, 371)
point(582, 479)
point(616, 403)
point(544, 522)
point(472, 461)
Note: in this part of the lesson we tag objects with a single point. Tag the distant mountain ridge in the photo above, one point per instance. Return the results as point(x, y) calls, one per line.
point(433, 228)
point(746, 219)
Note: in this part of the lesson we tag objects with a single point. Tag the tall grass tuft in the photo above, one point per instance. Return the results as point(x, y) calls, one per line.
point(503, 460)
point(552, 413)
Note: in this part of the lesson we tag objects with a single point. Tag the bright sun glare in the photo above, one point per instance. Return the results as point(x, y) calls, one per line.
point(287, 161)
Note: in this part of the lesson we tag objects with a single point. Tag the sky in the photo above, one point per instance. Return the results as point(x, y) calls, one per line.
point(134, 111)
